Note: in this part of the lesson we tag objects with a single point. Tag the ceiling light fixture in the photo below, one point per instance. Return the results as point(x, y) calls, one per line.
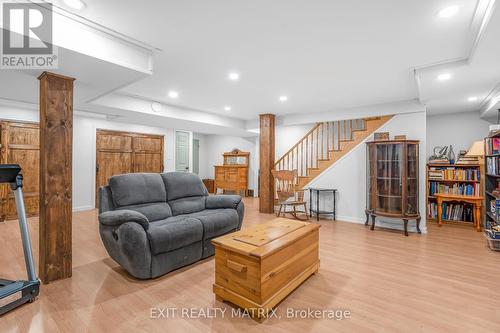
point(448, 11)
point(472, 99)
point(173, 94)
point(75, 4)
point(444, 76)
point(233, 76)
point(283, 98)
point(227, 108)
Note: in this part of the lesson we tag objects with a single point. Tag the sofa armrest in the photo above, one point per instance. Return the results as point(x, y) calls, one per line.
point(118, 217)
point(222, 201)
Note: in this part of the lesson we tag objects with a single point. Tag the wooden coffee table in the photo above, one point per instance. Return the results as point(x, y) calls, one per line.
point(257, 267)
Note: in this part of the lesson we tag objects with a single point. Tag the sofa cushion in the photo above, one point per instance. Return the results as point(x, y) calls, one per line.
point(204, 212)
point(187, 205)
point(153, 211)
point(218, 223)
point(165, 235)
point(183, 185)
point(137, 188)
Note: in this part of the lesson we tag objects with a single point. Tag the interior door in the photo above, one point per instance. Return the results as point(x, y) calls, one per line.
point(196, 156)
point(20, 144)
point(182, 151)
point(113, 157)
point(148, 153)
point(125, 152)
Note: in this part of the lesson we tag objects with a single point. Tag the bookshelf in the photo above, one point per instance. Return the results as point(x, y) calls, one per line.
point(492, 179)
point(461, 181)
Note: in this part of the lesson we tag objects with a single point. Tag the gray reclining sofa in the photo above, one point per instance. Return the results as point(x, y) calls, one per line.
point(152, 224)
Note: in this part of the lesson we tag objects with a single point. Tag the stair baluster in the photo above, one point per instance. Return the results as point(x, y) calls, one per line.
point(323, 144)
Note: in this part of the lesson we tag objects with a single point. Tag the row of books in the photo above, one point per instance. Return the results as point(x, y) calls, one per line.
point(492, 165)
point(495, 209)
point(460, 189)
point(454, 212)
point(492, 146)
point(465, 160)
point(437, 173)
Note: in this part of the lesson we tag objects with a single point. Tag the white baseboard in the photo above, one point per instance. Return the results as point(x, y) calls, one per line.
point(82, 208)
point(397, 225)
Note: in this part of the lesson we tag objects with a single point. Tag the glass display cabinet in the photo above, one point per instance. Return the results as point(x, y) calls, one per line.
point(392, 181)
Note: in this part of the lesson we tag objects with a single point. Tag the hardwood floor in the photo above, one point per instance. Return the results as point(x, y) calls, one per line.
point(445, 281)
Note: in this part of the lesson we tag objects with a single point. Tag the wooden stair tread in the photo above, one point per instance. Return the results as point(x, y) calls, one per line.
point(345, 145)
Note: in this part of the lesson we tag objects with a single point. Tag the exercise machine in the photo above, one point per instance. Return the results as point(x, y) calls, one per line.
point(16, 293)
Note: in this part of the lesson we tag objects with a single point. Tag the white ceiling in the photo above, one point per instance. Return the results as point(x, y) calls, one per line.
point(323, 55)
point(330, 57)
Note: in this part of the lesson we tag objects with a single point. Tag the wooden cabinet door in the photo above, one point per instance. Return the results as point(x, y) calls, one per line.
point(20, 144)
point(232, 175)
point(148, 154)
point(125, 152)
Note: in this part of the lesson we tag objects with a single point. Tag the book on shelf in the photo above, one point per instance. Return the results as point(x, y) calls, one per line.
point(451, 211)
point(467, 160)
point(495, 209)
point(458, 189)
point(440, 161)
point(492, 146)
point(451, 173)
point(492, 165)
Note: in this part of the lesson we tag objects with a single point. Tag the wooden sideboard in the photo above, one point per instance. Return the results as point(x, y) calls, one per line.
point(233, 174)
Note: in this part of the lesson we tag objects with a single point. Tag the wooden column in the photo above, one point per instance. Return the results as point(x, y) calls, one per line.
point(56, 144)
point(266, 183)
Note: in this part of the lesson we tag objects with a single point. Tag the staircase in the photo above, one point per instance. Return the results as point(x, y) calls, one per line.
point(325, 144)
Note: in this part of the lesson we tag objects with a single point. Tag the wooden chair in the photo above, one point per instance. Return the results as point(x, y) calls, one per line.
point(287, 193)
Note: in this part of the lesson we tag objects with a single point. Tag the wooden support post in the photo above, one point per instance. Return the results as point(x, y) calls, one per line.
point(266, 142)
point(56, 144)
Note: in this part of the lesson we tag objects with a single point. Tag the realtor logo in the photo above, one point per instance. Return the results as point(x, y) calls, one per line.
point(27, 36)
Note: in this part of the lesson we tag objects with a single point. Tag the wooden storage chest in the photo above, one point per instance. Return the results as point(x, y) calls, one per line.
point(257, 267)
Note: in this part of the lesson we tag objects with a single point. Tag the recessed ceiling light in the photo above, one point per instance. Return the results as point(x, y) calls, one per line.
point(448, 11)
point(173, 94)
point(75, 4)
point(233, 76)
point(283, 98)
point(444, 76)
point(227, 108)
point(472, 99)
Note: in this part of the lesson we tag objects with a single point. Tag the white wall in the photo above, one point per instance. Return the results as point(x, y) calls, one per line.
point(217, 145)
point(458, 129)
point(348, 175)
point(84, 147)
point(287, 136)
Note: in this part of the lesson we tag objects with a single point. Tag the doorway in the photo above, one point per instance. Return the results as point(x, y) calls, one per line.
point(196, 156)
point(182, 151)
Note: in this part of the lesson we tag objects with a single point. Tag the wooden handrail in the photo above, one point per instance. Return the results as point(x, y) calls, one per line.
point(317, 144)
point(298, 143)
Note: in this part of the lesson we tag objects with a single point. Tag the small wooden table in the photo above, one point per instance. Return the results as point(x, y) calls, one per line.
point(476, 201)
point(257, 267)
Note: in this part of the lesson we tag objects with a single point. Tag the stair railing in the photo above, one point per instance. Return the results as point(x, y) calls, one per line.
point(317, 144)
